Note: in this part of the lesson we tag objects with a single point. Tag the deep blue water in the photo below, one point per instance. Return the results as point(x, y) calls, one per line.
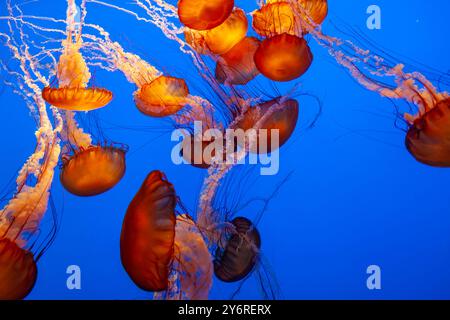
point(355, 197)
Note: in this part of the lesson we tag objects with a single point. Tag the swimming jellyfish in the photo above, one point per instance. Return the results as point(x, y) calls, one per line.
point(238, 255)
point(204, 14)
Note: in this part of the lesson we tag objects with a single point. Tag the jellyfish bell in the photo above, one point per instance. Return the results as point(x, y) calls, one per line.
point(237, 66)
point(283, 57)
point(294, 17)
point(18, 271)
point(93, 170)
point(77, 98)
point(238, 256)
point(222, 38)
point(204, 14)
point(148, 233)
point(428, 138)
point(162, 97)
point(283, 116)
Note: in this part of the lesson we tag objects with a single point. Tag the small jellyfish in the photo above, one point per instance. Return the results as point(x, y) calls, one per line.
point(204, 14)
point(238, 256)
point(148, 233)
point(277, 17)
point(428, 138)
point(18, 271)
point(283, 57)
point(93, 170)
point(73, 75)
point(222, 38)
point(276, 114)
point(237, 66)
point(162, 97)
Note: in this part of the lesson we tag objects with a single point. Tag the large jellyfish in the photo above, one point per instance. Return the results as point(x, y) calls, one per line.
point(162, 252)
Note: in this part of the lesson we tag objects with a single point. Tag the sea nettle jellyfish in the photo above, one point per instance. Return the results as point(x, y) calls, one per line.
point(283, 57)
point(148, 233)
point(204, 14)
point(277, 114)
point(93, 170)
point(222, 38)
point(162, 97)
point(18, 271)
point(238, 254)
point(237, 66)
point(428, 138)
point(278, 16)
point(73, 76)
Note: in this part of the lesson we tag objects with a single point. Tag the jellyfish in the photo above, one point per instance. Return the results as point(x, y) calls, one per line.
point(201, 152)
point(162, 97)
point(204, 14)
point(279, 114)
point(21, 217)
point(283, 57)
point(278, 17)
point(148, 233)
point(222, 38)
point(237, 66)
point(160, 251)
point(73, 76)
point(428, 138)
point(93, 170)
point(238, 255)
point(18, 271)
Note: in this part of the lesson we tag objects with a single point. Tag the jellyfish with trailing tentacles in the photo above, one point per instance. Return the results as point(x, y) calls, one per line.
point(73, 76)
point(428, 138)
point(238, 253)
point(160, 251)
point(21, 217)
point(283, 118)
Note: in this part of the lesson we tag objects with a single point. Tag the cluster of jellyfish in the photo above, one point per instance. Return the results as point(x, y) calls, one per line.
point(163, 248)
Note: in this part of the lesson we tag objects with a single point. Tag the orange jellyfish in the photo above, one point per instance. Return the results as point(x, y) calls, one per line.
point(222, 38)
point(277, 17)
point(162, 97)
point(236, 258)
point(201, 154)
point(275, 114)
point(18, 271)
point(283, 57)
point(148, 233)
point(428, 138)
point(237, 66)
point(73, 76)
point(93, 170)
point(204, 14)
